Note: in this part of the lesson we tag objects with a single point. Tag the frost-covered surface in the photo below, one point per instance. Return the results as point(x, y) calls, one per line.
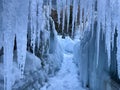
point(35, 74)
point(30, 29)
point(25, 30)
point(81, 59)
point(67, 77)
point(38, 71)
point(85, 59)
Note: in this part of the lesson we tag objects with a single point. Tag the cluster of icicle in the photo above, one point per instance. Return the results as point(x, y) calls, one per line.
point(63, 5)
point(108, 16)
point(15, 20)
point(14, 25)
point(16, 15)
point(105, 12)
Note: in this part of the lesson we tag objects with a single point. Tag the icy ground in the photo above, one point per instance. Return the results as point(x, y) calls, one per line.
point(67, 77)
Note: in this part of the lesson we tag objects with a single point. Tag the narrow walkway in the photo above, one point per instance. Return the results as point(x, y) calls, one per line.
point(66, 78)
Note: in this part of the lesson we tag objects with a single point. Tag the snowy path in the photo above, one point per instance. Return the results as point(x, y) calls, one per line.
point(66, 78)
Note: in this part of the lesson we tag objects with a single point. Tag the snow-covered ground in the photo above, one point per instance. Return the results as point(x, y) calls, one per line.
point(67, 77)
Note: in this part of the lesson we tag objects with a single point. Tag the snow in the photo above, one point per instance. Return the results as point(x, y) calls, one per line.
point(32, 62)
point(67, 43)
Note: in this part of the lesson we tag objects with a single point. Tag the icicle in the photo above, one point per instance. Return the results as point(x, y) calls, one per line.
point(50, 6)
point(58, 10)
point(21, 49)
point(39, 20)
point(9, 33)
point(98, 29)
point(80, 19)
point(92, 18)
point(1, 29)
point(21, 34)
point(108, 31)
point(102, 12)
point(33, 23)
point(113, 19)
point(8, 59)
point(98, 42)
point(112, 35)
point(63, 16)
point(89, 15)
point(68, 14)
point(108, 44)
point(75, 9)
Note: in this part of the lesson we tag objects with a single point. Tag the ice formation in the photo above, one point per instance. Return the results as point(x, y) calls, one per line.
point(14, 23)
